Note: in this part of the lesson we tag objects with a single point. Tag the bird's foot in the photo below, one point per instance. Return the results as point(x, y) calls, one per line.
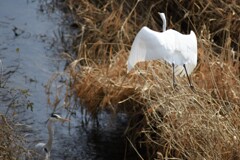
point(175, 87)
point(192, 88)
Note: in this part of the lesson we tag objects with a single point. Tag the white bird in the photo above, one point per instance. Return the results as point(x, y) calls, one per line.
point(170, 45)
point(45, 148)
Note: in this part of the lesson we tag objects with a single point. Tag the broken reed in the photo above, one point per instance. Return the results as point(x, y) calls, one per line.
point(168, 123)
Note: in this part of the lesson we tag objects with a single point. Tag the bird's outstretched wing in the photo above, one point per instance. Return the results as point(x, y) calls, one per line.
point(170, 46)
point(188, 48)
point(146, 46)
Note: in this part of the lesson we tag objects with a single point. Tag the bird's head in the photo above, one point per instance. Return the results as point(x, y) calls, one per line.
point(55, 118)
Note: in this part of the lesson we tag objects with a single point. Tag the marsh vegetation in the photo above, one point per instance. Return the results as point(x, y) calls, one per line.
point(166, 122)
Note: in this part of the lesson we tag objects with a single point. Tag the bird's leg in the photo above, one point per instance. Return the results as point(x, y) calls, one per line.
point(174, 82)
point(189, 80)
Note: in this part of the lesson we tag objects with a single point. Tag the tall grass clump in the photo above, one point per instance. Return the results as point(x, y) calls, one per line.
point(166, 122)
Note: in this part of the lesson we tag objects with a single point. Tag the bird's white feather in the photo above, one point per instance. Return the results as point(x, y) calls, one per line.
point(170, 45)
point(40, 145)
point(42, 154)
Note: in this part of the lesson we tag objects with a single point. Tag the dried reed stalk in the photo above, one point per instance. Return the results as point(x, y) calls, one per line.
point(169, 123)
point(11, 142)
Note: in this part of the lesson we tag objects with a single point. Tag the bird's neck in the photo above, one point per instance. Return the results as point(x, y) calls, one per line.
point(50, 137)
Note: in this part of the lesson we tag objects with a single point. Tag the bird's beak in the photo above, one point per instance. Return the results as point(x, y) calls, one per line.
point(64, 120)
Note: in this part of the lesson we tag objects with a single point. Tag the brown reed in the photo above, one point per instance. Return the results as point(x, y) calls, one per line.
point(168, 122)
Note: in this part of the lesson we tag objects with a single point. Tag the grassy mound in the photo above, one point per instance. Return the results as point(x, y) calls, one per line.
point(168, 122)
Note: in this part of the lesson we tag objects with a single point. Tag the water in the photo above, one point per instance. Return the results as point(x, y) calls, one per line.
point(28, 43)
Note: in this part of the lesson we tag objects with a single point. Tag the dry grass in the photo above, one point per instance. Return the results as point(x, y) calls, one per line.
point(11, 142)
point(169, 123)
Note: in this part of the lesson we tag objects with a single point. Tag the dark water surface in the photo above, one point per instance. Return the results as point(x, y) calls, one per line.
point(29, 42)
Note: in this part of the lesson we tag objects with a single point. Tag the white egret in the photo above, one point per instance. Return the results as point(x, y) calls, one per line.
point(45, 148)
point(170, 45)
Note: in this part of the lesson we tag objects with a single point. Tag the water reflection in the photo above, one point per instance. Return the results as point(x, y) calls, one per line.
point(102, 142)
